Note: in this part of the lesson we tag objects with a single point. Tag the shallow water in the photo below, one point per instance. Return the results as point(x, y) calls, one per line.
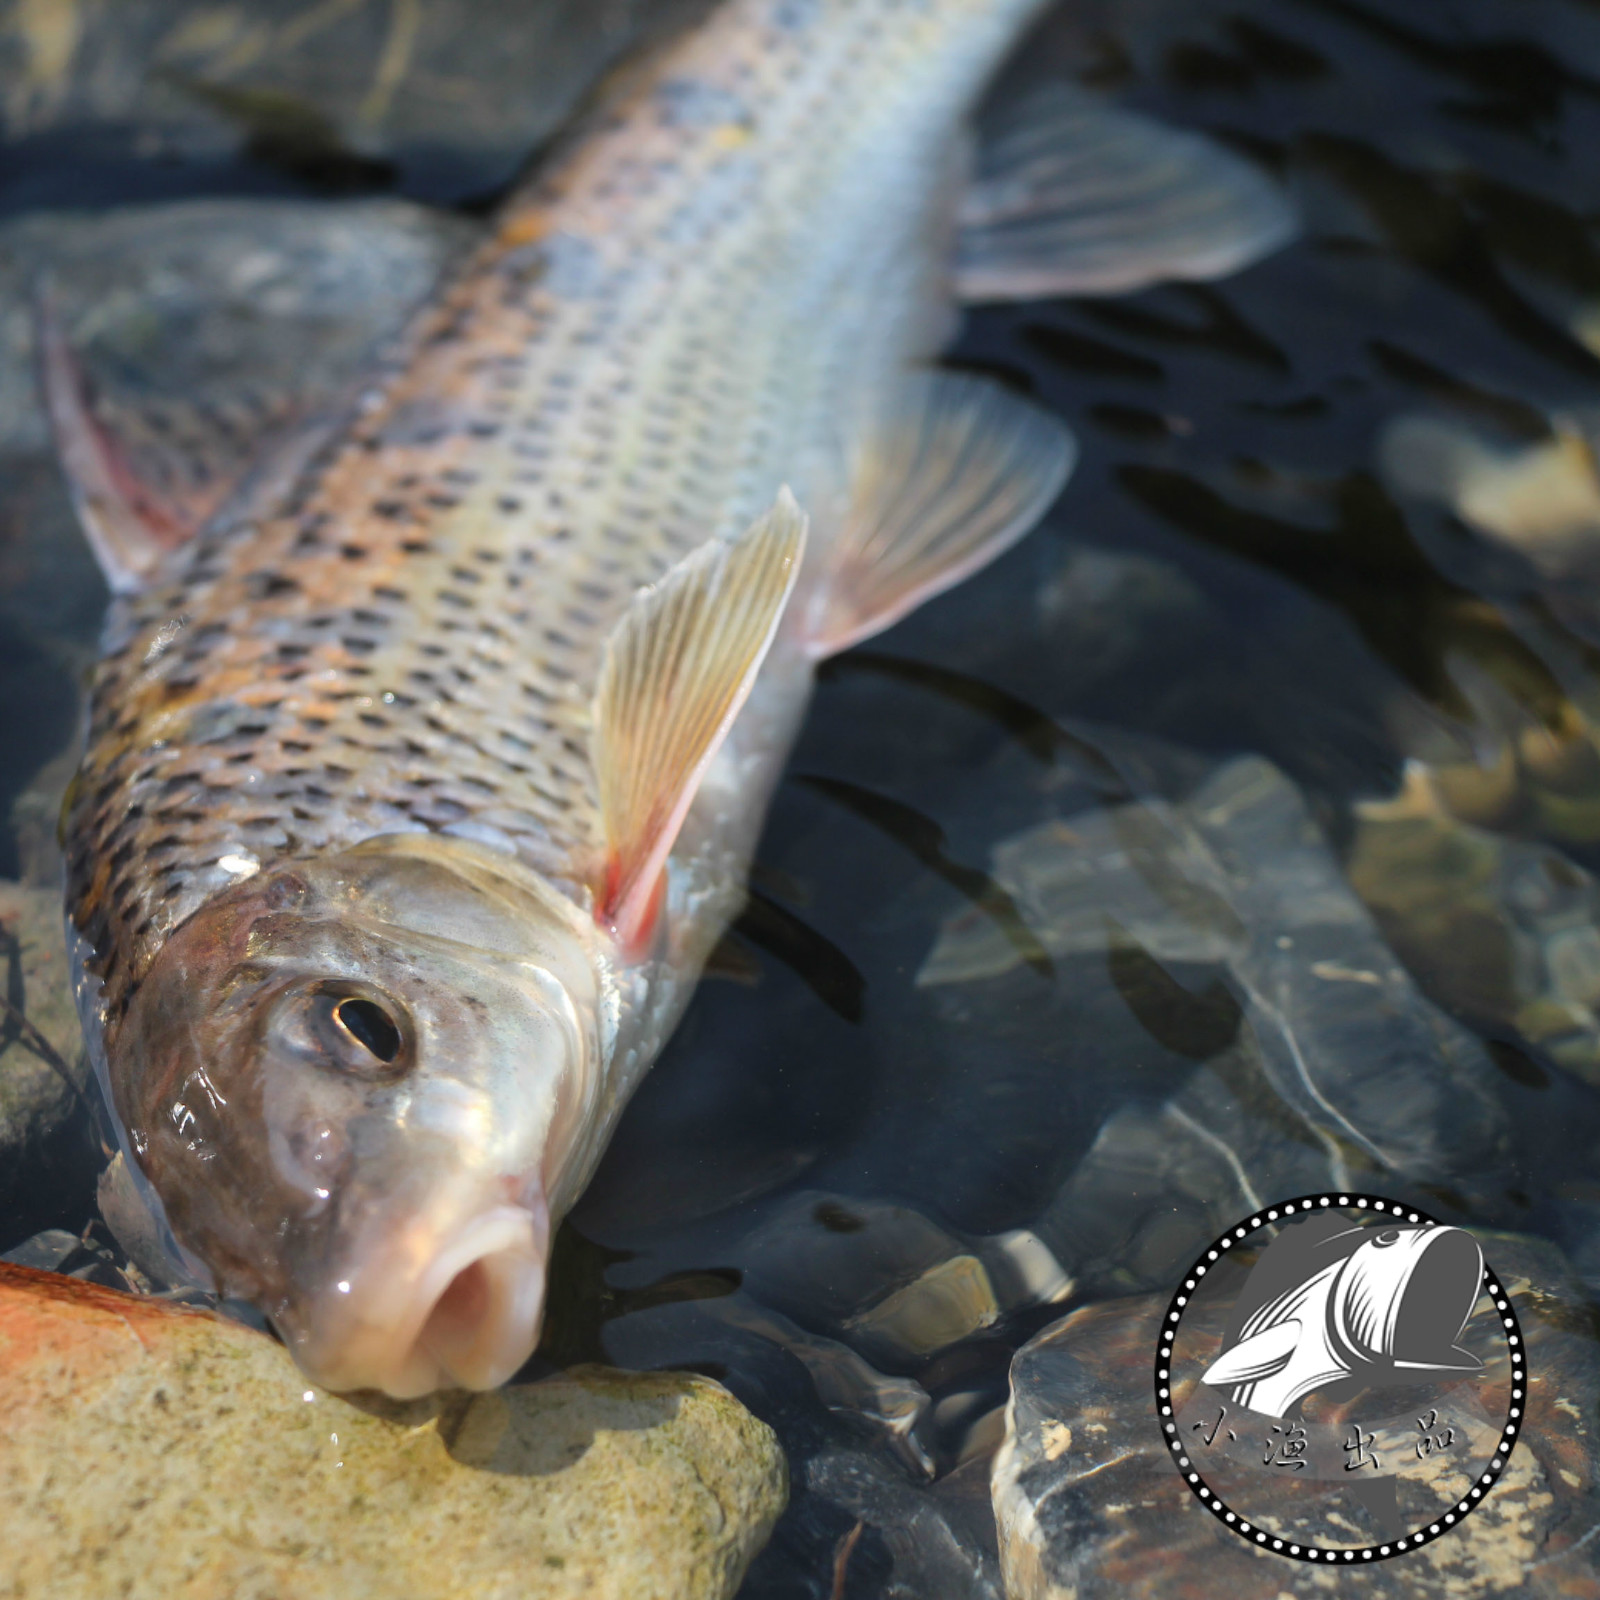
point(1227, 574)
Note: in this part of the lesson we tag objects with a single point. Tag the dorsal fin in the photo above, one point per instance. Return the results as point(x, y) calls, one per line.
point(1076, 196)
point(955, 472)
point(677, 669)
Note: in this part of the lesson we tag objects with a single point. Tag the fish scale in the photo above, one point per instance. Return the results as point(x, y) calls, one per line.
point(667, 324)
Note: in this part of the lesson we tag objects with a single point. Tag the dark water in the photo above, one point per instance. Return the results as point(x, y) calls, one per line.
point(1226, 574)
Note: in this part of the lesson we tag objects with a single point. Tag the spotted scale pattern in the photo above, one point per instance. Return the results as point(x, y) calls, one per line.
point(706, 294)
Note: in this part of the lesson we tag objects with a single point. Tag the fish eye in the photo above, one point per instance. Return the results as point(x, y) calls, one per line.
point(1388, 1236)
point(370, 1026)
point(345, 1028)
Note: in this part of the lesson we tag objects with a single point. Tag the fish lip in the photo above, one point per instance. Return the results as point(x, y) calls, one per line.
point(371, 1333)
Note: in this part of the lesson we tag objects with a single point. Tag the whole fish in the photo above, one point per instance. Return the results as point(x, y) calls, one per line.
point(423, 776)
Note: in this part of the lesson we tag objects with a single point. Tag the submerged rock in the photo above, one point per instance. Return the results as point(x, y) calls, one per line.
point(88, 1257)
point(886, 1278)
point(1502, 931)
point(1540, 499)
point(455, 93)
point(1232, 935)
point(1529, 779)
point(43, 1077)
point(1089, 1503)
point(155, 1451)
point(865, 1448)
point(935, 1549)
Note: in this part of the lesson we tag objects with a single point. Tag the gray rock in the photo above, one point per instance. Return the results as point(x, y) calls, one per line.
point(867, 1507)
point(84, 1257)
point(886, 1279)
point(1499, 930)
point(43, 1074)
point(455, 93)
point(45, 1251)
point(936, 1554)
point(1233, 936)
point(890, 1408)
point(1089, 1504)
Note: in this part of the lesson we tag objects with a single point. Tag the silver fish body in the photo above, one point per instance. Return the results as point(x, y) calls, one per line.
point(421, 783)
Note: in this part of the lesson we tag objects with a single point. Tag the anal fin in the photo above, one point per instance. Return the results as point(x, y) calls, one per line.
point(676, 671)
point(952, 474)
point(1076, 196)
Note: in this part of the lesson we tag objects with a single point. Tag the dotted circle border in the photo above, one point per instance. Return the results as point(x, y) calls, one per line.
point(1324, 1554)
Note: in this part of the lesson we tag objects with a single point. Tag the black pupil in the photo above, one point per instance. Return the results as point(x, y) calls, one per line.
point(369, 1025)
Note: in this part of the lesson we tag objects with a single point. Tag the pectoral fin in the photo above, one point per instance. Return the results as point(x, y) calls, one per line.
point(1257, 1357)
point(129, 524)
point(676, 670)
point(148, 477)
point(1075, 196)
point(956, 472)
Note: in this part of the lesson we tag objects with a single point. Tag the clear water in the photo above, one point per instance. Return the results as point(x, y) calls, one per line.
point(1226, 574)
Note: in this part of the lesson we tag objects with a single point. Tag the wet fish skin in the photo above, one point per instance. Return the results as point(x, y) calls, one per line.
point(368, 967)
point(394, 1173)
point(593, 396)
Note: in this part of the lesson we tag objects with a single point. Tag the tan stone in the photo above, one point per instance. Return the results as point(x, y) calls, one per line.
point(948, 1302)
point(149, 1450)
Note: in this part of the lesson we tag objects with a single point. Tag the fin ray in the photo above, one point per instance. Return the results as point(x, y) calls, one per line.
point(676, 671)
point(1260, 1356)
point(1075, 196)
point(954, 474)
point(145, 479)
point(129, 527)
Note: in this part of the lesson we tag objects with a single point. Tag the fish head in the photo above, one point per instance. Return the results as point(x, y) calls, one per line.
point(1403, 1296)
point(355, 1082)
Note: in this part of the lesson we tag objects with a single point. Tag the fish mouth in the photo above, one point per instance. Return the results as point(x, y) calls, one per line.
point(468, 1319)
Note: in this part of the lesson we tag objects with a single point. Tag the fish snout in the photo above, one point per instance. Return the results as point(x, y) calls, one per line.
point(460, 1311)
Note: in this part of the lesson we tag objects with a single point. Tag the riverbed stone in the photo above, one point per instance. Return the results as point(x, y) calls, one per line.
point(1501, 931)
point(151, 1450)
point(1089, 1504)
point(42, 1074)
point(1302, 1055)
point(447, 96)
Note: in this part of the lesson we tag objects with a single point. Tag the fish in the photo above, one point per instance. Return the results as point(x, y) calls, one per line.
point(422, 775)
point(1328, 1302)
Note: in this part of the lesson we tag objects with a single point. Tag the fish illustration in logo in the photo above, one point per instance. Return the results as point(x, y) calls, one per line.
point(1329, 1302)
